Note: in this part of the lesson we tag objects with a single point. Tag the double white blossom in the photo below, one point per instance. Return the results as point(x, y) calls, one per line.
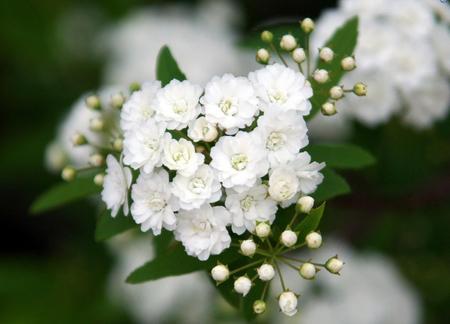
point(180, 156)
point(202, 130)
point(153, 204)
point(203, 231)
point(230, 102)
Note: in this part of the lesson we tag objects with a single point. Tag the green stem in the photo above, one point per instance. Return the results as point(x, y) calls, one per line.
point(308, 56)
point(294, 247)
point(266, 286)
point(278, 53)
point(279, 274)
point(301, 260)
point(289, 264)
point(246, 266)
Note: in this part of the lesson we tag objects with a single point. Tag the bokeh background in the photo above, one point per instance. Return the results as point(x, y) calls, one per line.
point(396, 222)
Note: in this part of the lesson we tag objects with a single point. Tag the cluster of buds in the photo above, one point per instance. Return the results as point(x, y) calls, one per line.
point(267, 252)
point(302, 57)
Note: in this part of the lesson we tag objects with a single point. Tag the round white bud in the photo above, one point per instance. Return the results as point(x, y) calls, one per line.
point(266, 272)
point(99, 178)
point(305, 204)
point(288, 42)
point(334, 265)
point(78, 139)
point(360, 89)
point(336, 92)
point(288, 238)
point(326, 54)
point(220, 273)
point(321, 76)
point(117, 100)
point(348, 63)
point(68, 173)
point(242, 285)
point(96, 124)
point(248, 247)
point(288, 303)
point(96, 160)
point(308, 271)
point(313, 240)
point(266, 36)
point(93, 102)
point(328, 108)
point(299, 55)
point(262, 56)
point(307, 25)
point(259, 306)
point(262, 230)
point(118, 144)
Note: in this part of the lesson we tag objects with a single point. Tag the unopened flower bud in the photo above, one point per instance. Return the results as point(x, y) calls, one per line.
point(68, 173)
point(336, 92)
point(259, 306)
point(288, 42)
point(326, 54)
point(220, 273)
point(266, 36)
point(360, 89)
point(117, 100)
point(307, 25)
point(93, 102)
point(248, 248)
point(78, 139)
point(266, 272)
point(262, 230)
point(262, 56)
point(328, 108)
point(334, 265)
point(348, 63)
point(242, 285)
point(98, 179)
point(299, 55)
point(288, 303)
point(321, 76)
point(313, 240)
point(305, 204)
point(118, 144)
point(307, 271)
point(96, 124)
point(200, 149)
point(288, 238)
point(135, 86)
point(96, 160)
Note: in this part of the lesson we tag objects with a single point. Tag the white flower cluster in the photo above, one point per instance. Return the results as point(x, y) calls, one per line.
point(227, 155)
point(403, 55)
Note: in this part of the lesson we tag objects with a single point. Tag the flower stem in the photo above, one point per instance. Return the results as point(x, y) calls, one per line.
point(300, 260)
point(308, 56)
point(279, 274)
point(246, 266)
point(289, 264)
point(275, 49)
point(266, 286)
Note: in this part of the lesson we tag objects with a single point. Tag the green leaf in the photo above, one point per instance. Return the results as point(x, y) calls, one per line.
point(176, 262)
point(108, 226)
point(162, 241)
point(310, 222)
point(333, 185)
point(63, 194)
point(167, 68)
point(343, 43)
point(341, 156)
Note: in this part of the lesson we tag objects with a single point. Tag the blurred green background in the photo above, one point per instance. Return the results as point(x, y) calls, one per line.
point(52, 271)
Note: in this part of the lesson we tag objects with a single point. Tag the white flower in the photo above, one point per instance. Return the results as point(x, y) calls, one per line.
point(220, 273)
point(248, 247)
point(240, 160)
point(153, 205)
point(266, 272)
point(202, 130)
point(250, 206)
point(307, 172)
point(313, 240)
point(283, 133)
point(277, 84)
point(288, 238)
point(230, 102)
point(142, 146)
point(180, 156)
point(242, 285)
point(200, 187)
point(262, 230)
point(177, 103)
point(116, 183)
point(283, 184)
point(140, 106)
point(308, 271)
point(288, 303)
point(305, 204)
point(203, 231)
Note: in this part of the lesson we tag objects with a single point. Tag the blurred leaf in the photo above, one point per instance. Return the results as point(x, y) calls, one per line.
point(333, 185)
point(343, 43)
point(253, 40)
point(162, 241)
point(310, 222)
point(176, 262)
point(108, 226)
point(167, 68)
point(341, 156)
point(63, 194)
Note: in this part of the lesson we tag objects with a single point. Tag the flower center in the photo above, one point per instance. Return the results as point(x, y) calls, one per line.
point(202, 225)
point(239, 161)
point(147, 111)
point(285, 190)
point(247, 203)
point(156, 203)
point(152, 143)
point(196, 185)
point(180, 156)
point(180, 107)
point(205, 130)
point(277, 96)
point(275, 141)
point(228, 107)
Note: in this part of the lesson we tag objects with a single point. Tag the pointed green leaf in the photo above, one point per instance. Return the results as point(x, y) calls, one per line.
point(341, 156)
point(108, 226)
point(64, 193)
point(333, 185)
point(310, 222)
point(167, 68)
